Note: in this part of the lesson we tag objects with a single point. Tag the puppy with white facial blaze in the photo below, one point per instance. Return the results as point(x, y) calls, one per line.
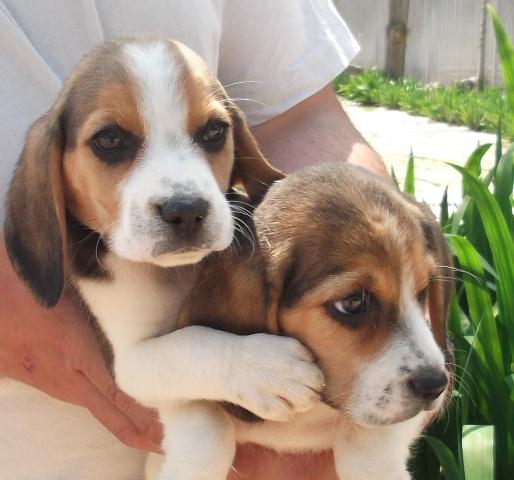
point(120, 187)
point(352, 268)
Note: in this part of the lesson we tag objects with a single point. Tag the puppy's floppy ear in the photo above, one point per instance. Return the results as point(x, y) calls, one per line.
point(251, 169)
point(35, 216)
point(440, 288)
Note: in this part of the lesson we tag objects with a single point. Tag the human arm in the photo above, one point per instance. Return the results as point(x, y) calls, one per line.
point(56, 351)
point(314, 131)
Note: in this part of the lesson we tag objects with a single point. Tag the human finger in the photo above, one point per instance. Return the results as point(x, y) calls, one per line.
point(112, 418)
point(146, 420)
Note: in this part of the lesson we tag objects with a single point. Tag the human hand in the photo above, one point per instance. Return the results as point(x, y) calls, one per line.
point(56, 352)
point(257, 463)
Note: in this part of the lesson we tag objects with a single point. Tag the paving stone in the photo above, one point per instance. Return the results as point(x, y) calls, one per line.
point(393, 133)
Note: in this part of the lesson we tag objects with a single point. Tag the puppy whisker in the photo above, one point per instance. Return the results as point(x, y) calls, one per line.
point(242, 82)
point(460, 270)
point(233, 84)
point(240, 99)
point(246, 232)
point(101, 234)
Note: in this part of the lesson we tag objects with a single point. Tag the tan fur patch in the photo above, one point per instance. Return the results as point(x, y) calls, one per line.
point(91, 186)
point(91, 189)
point(204, 96)
point(340, 352)
point(118, 103)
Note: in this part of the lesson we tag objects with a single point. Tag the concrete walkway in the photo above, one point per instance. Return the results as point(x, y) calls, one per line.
point(393, 133)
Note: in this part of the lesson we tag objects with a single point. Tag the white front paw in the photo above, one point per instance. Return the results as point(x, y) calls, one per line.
point(274, 377)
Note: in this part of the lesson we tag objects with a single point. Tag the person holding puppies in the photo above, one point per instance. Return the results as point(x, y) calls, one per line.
point(277, 60)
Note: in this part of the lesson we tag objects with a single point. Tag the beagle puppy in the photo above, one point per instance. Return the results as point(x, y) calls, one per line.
point(118, 193)
point(358, 272)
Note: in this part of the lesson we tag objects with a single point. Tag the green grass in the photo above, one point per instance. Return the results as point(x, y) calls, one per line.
point(451, 104)
point(474, 440)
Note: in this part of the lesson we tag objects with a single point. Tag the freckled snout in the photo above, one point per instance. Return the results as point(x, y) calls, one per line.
point(185, 215)
point(428, 384)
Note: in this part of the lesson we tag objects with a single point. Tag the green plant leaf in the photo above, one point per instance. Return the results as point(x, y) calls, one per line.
point(458, 321)
point(473, 163)
point(445, 457)
point(408, 186)
point(506, 53)
point(444, 218)
point(499, 146)
point(503, 184)
point(471, 219)
point(459, 214)
point(479, 451)
point(480, 307)
point(501, 244)
point(509, 379)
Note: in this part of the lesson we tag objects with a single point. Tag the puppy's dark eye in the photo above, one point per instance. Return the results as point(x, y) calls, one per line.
point(349, 309)
point(114, 144)
point(215, 132)
point(353, 304)
point(108, 140)
point(212, 136)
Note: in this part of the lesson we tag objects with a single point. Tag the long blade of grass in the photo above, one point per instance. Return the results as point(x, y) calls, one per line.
point(499, 146)
point(459, 214)
point(501, 244)
point(509, 379)
point(479, 451)
point(506, 53)
point(473, 163)
point(444, 218)
point(408, 185)
point(471, 219)
point(503, 183)
point(446, 458)
point(480, 307)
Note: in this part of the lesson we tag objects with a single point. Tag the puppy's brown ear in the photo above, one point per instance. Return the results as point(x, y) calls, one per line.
point(35, 218)
point(279, 269)
point(440, 288)
point(251, 169)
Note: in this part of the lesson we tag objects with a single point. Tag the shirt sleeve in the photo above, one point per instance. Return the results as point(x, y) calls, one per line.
point(274, 54)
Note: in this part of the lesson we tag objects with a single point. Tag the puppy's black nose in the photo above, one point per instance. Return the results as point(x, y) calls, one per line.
point(428, 384)
point(184, 214)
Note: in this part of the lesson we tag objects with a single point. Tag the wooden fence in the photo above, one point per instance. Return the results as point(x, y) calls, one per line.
point(442, 41)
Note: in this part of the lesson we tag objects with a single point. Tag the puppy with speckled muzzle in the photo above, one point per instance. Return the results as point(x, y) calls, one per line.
point(357, 272)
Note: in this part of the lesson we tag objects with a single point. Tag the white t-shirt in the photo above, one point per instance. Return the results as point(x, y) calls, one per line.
point(271, 54)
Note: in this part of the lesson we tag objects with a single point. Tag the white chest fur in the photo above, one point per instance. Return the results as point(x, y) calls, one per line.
point(313, 430)
point(137, 302)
